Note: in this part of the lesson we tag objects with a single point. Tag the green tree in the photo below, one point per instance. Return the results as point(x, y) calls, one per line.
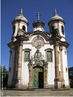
point(4, 75)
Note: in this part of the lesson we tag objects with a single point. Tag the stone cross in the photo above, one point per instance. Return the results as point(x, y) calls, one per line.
point(38, 15)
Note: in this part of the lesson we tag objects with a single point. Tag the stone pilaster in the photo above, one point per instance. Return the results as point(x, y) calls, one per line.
point(19, 65)
point(14, 68)
point(62, 74)
point(45, 77)
point(57, 83)
point(56, 61)
point(30, 77)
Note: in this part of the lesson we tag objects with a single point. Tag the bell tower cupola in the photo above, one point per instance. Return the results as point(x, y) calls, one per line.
point(20, 22)
point(57, 22)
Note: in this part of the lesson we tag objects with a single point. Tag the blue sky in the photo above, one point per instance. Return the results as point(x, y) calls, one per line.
point(11, 8)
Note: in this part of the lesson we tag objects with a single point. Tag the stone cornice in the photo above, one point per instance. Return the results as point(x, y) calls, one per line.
point(48, 49)
point(26, 49)
point(21, 38)
point(57, 41)
point(64, 44)
point(44, 34)
point(11, 44)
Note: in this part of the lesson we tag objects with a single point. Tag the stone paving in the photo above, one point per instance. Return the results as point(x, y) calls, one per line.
point(37, 92)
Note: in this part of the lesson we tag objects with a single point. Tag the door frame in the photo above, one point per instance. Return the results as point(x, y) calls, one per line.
point(45, 71)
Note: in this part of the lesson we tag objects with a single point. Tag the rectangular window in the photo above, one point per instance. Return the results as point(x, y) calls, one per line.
point(26, 55)
point(49, 56)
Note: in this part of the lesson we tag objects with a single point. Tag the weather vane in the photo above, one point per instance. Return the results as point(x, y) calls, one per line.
point(38, 15)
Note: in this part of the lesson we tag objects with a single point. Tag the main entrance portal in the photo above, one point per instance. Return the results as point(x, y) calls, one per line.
point(38, 77)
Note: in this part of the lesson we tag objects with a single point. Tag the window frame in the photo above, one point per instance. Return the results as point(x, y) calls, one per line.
point(26, 50)
point(49, 50)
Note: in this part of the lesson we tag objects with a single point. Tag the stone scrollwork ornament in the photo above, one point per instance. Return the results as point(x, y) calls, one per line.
point(37, 59)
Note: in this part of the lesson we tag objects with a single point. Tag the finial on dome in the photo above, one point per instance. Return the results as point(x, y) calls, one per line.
point(21, 11)
point(38, 15)
point(55, 11)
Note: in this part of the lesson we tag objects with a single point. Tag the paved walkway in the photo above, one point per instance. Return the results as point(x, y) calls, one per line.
point(38, 92)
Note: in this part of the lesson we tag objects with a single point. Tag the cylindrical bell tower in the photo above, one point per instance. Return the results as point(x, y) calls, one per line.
point(57, 22)
point(20, 22)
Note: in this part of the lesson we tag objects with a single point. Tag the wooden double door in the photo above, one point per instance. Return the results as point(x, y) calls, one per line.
point(38, 77)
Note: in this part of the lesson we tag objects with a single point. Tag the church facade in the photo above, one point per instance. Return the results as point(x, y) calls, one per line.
point(38, 59)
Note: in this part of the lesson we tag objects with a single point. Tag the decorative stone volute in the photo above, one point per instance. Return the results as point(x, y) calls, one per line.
point(37, 59)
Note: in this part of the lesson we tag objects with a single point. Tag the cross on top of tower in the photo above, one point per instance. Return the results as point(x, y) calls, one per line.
point(38, 15)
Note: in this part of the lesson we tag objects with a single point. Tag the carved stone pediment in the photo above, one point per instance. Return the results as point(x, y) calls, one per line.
point(37, 59)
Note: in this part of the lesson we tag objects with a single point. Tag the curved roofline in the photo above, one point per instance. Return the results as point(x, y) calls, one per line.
point(44, 34)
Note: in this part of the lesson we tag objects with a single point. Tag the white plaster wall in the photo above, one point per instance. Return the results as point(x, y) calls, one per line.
point(66, 76)
point(63, 62)
point(10, 76)
point(16, 29)
point(21, 24)
point(51, 71)
point(55, 25)
point(64, 58)
point(25, 73)
point(42, 49)
point(25, 70)
point(33, 49)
